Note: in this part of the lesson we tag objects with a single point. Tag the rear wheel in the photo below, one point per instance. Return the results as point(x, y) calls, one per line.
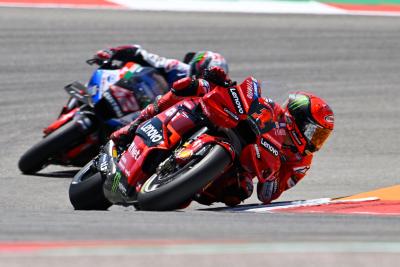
point(168, 190)
point(39, 156)
point(86, 190)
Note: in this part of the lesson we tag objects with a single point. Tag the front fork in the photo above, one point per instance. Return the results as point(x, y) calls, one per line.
point(115, 183)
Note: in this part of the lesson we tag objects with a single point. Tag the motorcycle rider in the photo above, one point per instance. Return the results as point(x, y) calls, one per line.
point(295, 131)
point(171, 69)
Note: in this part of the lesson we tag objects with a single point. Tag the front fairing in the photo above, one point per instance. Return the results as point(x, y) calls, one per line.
point(100, 82)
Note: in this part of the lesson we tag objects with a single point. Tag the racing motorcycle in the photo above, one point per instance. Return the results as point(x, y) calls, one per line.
point(93, 112)
point(178, 153)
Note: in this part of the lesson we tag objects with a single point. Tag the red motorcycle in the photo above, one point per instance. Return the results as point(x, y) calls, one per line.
point(181, 151)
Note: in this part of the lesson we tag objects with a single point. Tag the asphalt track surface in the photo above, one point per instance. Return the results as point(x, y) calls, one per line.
point(353, 62)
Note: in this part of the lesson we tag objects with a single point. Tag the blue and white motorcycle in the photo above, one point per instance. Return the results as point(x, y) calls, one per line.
point(112, 98)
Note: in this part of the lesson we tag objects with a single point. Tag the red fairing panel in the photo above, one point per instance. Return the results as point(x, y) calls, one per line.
point(225, 106)
point(125, 99)
point(63, 119)
point(171, 124)
point(208, 139)
point(132, 160)
point(250, 89)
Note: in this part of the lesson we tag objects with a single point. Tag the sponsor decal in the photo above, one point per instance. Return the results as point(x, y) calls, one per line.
point(329, 119)
point(185, 153)
point(256, 88)
point(230, 113)
point(301, 170)
point(135, 152)
point(122, 189)
point(269, 147)
point(117, 178)
point(108, 78)
point(253, 88)
point(125, 99)
point(294, 134)
point(151, 132)
point(236, 100)
point(110, 99)
point(257, 150)
point(104, 166)
point(280, 132)
point(249, 88)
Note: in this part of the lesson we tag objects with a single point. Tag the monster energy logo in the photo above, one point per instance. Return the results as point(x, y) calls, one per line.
point(298, 101)
point(117, 178)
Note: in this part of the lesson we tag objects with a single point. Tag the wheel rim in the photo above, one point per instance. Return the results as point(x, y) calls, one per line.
point(158, 180)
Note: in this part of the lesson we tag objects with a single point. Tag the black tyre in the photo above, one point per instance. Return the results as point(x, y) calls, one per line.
point(169, 192)
point(38, 156)
point(86, 190)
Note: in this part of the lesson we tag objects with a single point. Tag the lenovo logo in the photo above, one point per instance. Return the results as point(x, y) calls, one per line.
point(236, 99)
point(269, 147)
point(152, 133)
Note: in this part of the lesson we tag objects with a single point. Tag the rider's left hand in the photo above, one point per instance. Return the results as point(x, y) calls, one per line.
point(104, 55)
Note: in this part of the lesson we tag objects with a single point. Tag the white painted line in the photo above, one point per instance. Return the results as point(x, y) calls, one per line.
point(355, 200)
point(269, 208)
point(236, 6)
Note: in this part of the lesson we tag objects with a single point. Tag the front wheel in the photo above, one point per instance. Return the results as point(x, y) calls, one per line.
point(38, 156)
point(86, 190)
point(168, 191)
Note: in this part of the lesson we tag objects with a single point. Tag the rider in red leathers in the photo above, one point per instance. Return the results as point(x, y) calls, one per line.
point(295, 131)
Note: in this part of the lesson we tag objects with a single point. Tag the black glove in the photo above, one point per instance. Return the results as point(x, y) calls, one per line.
point(122, 53)
point(217, 76)
point(124, 136)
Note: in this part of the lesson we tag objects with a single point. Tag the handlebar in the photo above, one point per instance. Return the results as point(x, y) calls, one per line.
point(105, 64)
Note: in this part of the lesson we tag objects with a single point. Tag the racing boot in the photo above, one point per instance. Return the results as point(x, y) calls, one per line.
point(227, 189)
